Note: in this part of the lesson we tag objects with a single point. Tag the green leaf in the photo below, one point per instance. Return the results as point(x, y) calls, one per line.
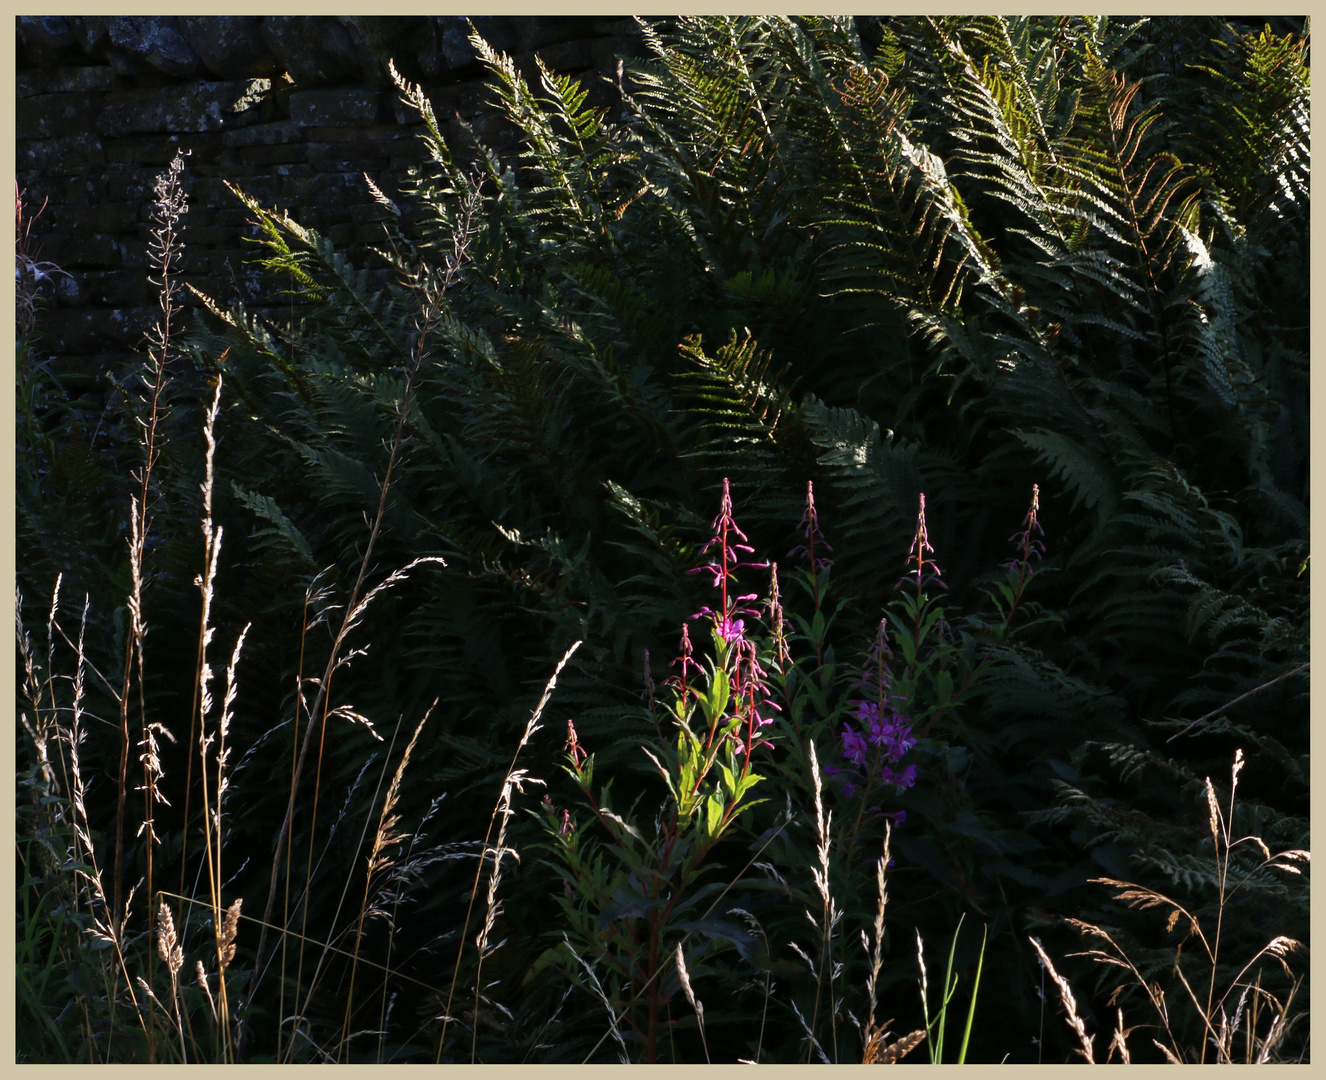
point(718, 695)
point(713, 814)
point(943, 688)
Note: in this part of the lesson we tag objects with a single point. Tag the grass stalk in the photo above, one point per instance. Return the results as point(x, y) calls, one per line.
point(530, 728)
point(430, 314)
point(829, 916)
point(384, 837)
point(206, 582)
point(165, 250)
point(108, 928)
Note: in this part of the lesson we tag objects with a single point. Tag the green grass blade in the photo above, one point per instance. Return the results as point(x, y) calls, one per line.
point(975, 989)
point(950, 985)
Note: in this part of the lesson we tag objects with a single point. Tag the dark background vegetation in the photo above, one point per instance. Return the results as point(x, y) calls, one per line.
point(891, 256)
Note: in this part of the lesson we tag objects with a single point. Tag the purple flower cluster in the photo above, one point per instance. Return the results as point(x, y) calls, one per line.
point(886, 730)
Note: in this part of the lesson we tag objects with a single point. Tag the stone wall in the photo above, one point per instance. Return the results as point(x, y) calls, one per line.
point(292, 109)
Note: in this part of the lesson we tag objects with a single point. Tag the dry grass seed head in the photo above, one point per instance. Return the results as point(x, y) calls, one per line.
point(823, 823)
point(167, 941)
point(1213, 812)
point(386, 834)
point(1070, 1007)
point(1295, 855)
point(1279, 946)
point(876, 955)
point(229, 931)
point(1169, 1054)
point(810, 1035)
point(202, 981)
point(1120, 1041)
point(685, 978)
point(877, 1053)
point(596, 988)
point(690, 996)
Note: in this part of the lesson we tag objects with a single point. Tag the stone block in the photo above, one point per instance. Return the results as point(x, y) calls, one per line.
point(207, 238)
point(130, 183)
point(621, 28)
point(327, 186)
point(336, 159)
point(229, 45)
point(328, 108)
point(372, 59)
point(605, 52)
point(97, 329)
point(66, 80)
point(94, 251)
point(234, 217)
point(373, 151)
point(155, 40)
point(154, 150)
point(54, 116)
point(194, 260)
point(107, 288)
point(70, 154)
point(375, 133)
point(86, 188)
point(535, 32)
point(281, 154)
point(90, 34)
point(128, 57)
point(198, 106)
point(71, 289)
point(453, 39)
point(316, 50)
point(465, 98)
point(44, 40)
point(562, 57)
point(83, 219)
point(209, 191)
point(276, 133)
point(296, 169)
point(406, 152)
point(407, 40)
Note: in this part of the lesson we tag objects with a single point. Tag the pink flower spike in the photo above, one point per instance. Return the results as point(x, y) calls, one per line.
point(1029, 548)
point(916, 554)
point(684, 657)
point(921, 538)
point(810, 529)
point(725, 513)
point(577, 752)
